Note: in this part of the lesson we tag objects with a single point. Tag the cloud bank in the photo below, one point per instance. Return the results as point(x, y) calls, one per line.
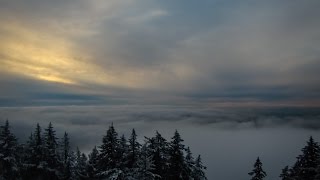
point(220, 135)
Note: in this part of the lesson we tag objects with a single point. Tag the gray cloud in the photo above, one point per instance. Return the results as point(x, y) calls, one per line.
point(259, 50)
point(219, 134)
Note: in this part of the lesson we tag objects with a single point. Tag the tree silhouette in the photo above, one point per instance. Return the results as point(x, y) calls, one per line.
point(258, 173)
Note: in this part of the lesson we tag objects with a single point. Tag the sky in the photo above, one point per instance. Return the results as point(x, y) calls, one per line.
point(137, 51)
point(144, 61)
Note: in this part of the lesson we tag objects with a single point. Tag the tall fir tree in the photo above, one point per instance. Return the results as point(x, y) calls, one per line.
point(190, 163)
point(198, 171)
point(34, 164)
point(133, 150)
point(123, 152)
point(67, 159)
point(178, 168)
point(92, 168)
point(159, 147)
point(285, 174)
point(109, 157)
point(8, 153)
point(81, 165)
point(145, 166)
point(258, 173)
point(51, 153)
point(309, 160)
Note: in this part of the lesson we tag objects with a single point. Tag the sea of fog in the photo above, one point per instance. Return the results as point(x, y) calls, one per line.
point(228, 139)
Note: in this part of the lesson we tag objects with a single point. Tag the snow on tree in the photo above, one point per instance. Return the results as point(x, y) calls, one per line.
point(81, 165)
point(307, 165)
point(123, 152)
point(285, 174)
point(8, 153)
point(309, 160)
point(51, 152)
point(116, 159)
point(177, 166)
point(34, 164)
point(258, 173)
point(190, 162)
point(159, 148)
point(198, 171)
point(67, 159)
point(92, 167)
point(145, 166)
point(109, 157)
point(133, 150)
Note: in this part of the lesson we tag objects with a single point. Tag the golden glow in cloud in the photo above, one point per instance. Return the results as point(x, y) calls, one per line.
point(40, 55)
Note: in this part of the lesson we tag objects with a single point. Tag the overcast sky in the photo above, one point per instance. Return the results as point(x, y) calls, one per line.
point(138, 51)
point(83, 64)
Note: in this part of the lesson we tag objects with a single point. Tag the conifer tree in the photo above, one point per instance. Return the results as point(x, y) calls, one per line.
point(258, 173)
point(123, 151)
point(190, 163)
point(51, 153)
point(8, 153)
point(178, 169)
point(159, 148)
point(92, 168)
point(109, 157)
point(81, 165)
point(198, 171)
point(66, 158)
point(309, 160)
point(133, 150)
point(285, 174)
point(145, 166)
point(34, 163)
point(38, 148)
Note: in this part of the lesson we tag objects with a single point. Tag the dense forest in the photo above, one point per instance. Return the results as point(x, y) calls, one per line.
point(44, 156)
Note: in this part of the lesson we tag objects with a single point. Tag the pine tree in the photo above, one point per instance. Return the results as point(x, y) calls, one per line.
point(34, 162)
point(123, 152)
point(258, 173)
point(66, 159)
point(92, 168)
point(159, 148)
point(198, 172)
point(8, 153)
point(309, 160)
point(109, 157)
point(133, 150)
point(178, 168)
point(81, 165)
point(145, 166)
point(285, 174)
point(50, 153)
point(190, 163)
point(38, 148)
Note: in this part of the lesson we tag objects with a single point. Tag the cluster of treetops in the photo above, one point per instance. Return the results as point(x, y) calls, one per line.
point(306, 167)
point(45, 157)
